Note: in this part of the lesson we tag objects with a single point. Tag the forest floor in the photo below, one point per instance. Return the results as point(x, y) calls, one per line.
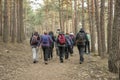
point(16, 64)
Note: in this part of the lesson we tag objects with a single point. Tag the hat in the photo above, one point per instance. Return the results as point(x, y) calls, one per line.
point(71, 33)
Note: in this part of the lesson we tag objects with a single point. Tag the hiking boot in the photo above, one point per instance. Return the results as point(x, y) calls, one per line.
point(61, 61)
point(46, 62)
point(81, 62)
point(34, 61)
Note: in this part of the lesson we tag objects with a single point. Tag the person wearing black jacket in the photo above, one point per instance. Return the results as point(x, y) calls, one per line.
point(50, 56)
point(80, 41)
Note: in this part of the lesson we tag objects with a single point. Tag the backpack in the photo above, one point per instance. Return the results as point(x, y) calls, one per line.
point(81, 38)
point(68, 40)
point(87, 37)
point(61, 39)
point(34, 39)
point(73, 38)
point(45, 39)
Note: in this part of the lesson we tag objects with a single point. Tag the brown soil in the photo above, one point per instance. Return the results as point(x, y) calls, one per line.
point(16, 64)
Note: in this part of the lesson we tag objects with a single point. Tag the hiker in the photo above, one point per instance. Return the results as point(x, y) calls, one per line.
point(51, 34)
point(35, 43)
point(68, 46)
point(72, 36)
point(56, 47)
point(87, 43)
point(45, 44)
point(61, 45)
point(80, 41)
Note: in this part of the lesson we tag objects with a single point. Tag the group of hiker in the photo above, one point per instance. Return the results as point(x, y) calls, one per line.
point(64, 44)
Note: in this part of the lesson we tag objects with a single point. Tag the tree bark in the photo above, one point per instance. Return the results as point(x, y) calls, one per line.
point(60, 15)
point(91, 26)
point(1, 18)
point(102, 28)
point(75, 16)
point(5, 29)
point(114, 56)
point(13, 21)
point(18, 22)
point(109, 26)
point(22, 36)
point(93, 30)
point(83, 16)
point(98, 28)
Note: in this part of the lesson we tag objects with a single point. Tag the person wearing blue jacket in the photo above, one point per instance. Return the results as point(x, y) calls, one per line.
point(45, 44)
point(68, 46)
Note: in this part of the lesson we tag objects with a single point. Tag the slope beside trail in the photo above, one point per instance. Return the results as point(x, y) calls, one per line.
point(16, 64)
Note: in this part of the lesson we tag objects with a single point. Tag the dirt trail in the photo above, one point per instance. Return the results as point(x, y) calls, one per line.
point(17, 65)
point(53, 71)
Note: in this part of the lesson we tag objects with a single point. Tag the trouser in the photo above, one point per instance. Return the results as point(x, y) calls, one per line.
point(68, 50)
point(57, 51)
point(35, 53)
point(50, 55)
point(66, 53)
point(72, 48)
point(61, 52)
point(87, 47)
point(81, 52)
point(45, 52)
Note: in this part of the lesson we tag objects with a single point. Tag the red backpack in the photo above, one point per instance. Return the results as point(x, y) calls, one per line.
point(61, 39)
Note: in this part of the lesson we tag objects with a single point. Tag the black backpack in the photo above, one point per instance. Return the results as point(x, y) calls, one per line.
point(81, 38)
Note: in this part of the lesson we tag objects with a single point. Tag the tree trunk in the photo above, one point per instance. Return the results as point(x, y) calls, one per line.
point(13, 21)
point(67, 27)
point(75, 16)
point(73, 26)
point(18, 22)
point(93, 30)
point(9, 17)
point(109, 26)
point(1, 18)
point(5, 29)
point(83, 16)
point(98, 28)
point(114, 56)
point(91, 26)
point(102, 28)
point(22, 36)
point(60, 15)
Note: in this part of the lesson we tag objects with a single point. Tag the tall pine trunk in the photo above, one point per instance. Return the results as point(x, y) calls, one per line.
point(91, 26)
point(18, 22)
point(93, 30)
point(109, 26)
point(22, 36)
point(1, 18)
point(75, 16)
point(5, 29)
point(60, 15)
point(98, 28)
point(102, 28)
point(114, 55)
point(83, 16)
point(13, 21)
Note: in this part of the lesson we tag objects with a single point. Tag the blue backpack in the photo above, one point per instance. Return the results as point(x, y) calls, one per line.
point(45, 39)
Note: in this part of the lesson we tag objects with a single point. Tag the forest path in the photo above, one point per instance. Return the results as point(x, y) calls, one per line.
point(17, 65)
point(69, 70)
